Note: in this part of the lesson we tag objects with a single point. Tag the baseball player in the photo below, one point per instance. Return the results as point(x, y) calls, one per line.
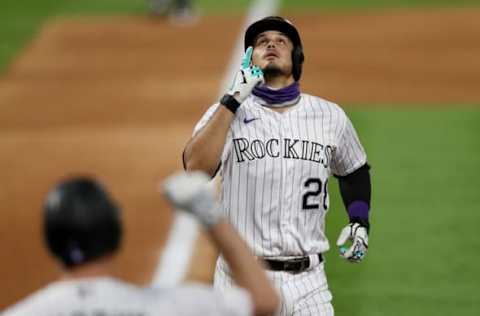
point(276, 148)
point(83, 231)
point(176, 8)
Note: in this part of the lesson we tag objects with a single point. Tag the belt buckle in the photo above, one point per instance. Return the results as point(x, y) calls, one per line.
point(304, 265)
point(296, 265)
point(289, 266)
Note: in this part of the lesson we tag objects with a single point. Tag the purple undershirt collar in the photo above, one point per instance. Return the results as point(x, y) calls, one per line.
point(280, 96)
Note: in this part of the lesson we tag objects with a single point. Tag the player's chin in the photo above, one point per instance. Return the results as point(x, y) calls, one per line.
point(270, 64)
point(273, 69)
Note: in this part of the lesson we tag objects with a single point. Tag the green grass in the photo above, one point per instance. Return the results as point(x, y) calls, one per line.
point(225, 5)
point(424, 240)
point(368, 4)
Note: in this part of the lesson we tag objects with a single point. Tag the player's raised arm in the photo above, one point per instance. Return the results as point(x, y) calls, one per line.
point(203, 151)
point(190, 192)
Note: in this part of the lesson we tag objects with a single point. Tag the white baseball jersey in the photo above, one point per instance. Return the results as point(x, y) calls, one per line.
point(275, 169)
point(111, 297)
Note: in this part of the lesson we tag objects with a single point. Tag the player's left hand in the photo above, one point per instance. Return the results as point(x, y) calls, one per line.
point(359, 236)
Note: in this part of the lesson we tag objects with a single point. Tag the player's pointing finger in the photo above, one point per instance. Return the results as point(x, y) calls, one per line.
point(247, 58)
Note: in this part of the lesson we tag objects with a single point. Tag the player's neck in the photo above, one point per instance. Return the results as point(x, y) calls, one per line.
point(280, 99)
point(278, 82)
point(97, 268)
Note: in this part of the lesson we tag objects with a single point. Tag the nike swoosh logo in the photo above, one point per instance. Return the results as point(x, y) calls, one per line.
point(246, 121)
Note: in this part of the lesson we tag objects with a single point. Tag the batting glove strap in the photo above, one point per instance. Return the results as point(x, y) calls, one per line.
point(362, 222)
point(230, 103)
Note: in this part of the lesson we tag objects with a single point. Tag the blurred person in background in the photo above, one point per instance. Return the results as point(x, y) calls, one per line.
point(177, 9)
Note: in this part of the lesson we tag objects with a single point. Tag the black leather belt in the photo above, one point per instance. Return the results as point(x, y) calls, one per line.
point(292, 265)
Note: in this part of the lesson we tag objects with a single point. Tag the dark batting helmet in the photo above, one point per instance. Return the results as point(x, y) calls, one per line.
point(277, 23)
point(81, 222)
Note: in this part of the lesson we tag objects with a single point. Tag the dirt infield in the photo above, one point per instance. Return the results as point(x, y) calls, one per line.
point(118, 98)
point(419, 57)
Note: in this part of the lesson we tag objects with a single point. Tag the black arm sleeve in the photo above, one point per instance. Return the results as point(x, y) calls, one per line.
point(356, 186)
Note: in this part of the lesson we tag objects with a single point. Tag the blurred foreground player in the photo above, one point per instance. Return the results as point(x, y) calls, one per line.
point(83, 230)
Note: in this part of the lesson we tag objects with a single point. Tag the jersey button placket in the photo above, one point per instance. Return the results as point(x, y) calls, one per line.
point(285, 198)
point(289, 167)
point(281, 178)
point(290, 179)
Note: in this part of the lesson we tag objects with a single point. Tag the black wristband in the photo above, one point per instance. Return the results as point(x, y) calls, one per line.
point(362, 222)
point(230, 103)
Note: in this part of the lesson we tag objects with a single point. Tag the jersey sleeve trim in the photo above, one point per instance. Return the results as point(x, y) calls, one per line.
point(352, 169)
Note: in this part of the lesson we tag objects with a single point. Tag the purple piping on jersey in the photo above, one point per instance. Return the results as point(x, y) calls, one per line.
point(282, 95)
point(358, 209)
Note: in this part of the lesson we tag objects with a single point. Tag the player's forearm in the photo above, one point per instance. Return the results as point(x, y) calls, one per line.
point(204, 151)
point(246, 270)
point(355, 190)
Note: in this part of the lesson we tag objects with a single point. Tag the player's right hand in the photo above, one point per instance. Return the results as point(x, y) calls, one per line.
point(358, 235)
point(246, 78)
point(191, 192)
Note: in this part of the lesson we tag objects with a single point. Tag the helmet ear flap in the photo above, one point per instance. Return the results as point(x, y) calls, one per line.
point(297, 62)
